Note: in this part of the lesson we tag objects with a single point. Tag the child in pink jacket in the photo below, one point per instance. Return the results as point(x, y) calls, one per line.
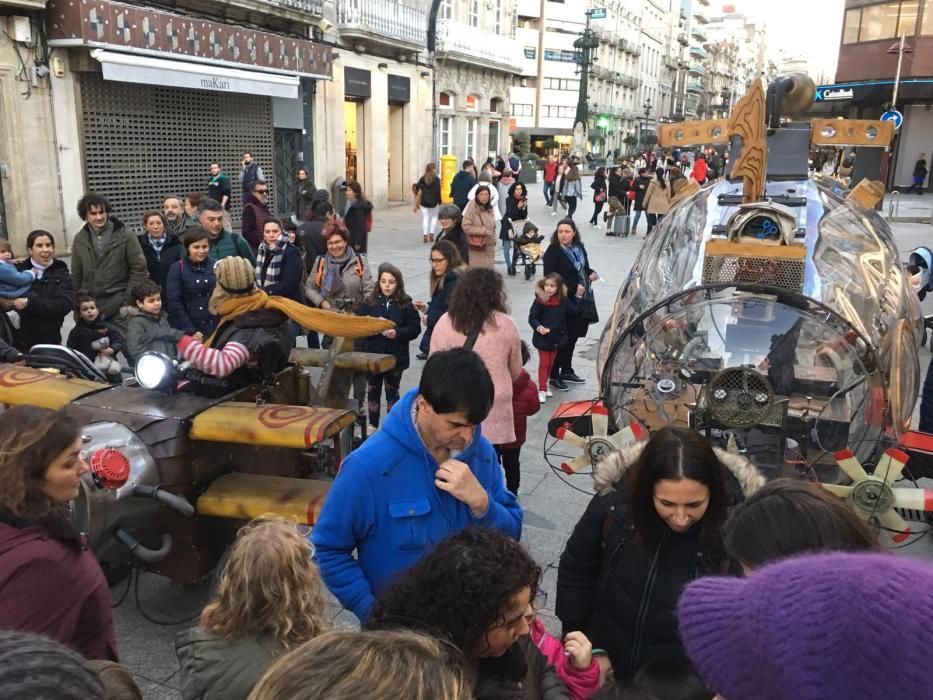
point(573, 661)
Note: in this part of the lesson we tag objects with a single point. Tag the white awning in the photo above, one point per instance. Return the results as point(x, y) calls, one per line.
point(132, 68)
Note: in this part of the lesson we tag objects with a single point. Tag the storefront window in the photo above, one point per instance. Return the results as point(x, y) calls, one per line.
point(493, 137)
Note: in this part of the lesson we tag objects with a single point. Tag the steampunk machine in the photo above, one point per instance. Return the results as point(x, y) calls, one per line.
point(174, 472)
point(770, 311)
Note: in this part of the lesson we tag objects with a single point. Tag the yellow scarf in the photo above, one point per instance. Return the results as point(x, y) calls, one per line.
point(311, 319)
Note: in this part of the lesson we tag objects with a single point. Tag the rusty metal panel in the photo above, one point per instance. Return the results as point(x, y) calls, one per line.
point(144, 142)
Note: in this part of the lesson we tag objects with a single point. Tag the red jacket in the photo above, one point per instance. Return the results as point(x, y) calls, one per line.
point(550, 172)
point(51, 584)
point(524, 403)
point(699, 170)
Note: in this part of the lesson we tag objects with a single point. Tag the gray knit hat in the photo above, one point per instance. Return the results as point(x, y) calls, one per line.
point(37, 668)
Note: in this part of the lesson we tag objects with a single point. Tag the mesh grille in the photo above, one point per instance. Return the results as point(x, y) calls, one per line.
point(740, 269)
point(740, 398)
point(144, 142)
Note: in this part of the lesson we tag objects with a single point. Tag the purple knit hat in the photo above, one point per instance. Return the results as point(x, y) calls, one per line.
point(814, 627)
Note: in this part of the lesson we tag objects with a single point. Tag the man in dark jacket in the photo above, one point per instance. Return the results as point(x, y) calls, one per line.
point(176, 218)
point(255, 213)
point(920, 173)
point(106, 260)
point(218, 187)
point(224, 243)
point(461, 185)
point(310, 231)
point(250, 172)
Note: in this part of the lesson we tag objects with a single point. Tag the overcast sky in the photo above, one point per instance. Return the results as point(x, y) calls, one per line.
point(809, 27)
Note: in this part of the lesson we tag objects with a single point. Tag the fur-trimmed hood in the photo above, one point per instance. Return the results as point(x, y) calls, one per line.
point(613, 467)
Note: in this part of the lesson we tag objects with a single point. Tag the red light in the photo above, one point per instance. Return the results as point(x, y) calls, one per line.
point(111, 468)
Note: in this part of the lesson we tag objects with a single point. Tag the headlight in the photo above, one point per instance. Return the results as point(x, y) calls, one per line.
point(155, 371)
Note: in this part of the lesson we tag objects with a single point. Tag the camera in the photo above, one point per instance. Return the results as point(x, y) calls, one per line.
point(343, 304)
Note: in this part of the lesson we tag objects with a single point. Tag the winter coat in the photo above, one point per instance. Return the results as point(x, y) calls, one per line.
point(407, 327)
point(187, 293)
point(255, 215)
point(522, 673)
point(430, 193)
point(159, 263)
point(552, 314)
point(524, 403)
point(599, 185)
point(384, 504)
point(581, 682)
point(573, 188)
point(50, 300)
point(310, 234)
point(355, 220)
point(480, 221)
point(640, 185)
point(290, 274)
point(503, 188)
point(493, 198)
point(920, 169)
point(657, 199)
point(460, 188)
point(499, 346)
point(231, 245)
point(149, 333)
point(218, 187)
point(266, 334)
point(110, 276)
point(514, 212)
point(84, 333)
point(214, 668)
point(621, 595)
point(554, 260)
point(456, 236)
point(249, 175)
point(14, 283)
point(617, 187)
point(699, 170)
point(357, 280)
point(440, 299)
point(52, 585)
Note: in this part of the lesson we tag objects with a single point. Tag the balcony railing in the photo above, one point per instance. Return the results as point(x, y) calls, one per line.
point(700, 16)
point(698, 34)
point(694, 86)
point(697, 69)
point(462, 42)
point(381, 20)
point(314, 7)
point(698, 52)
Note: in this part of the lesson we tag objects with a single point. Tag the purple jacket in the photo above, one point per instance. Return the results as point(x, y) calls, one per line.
point(51, 584)
point(255, 214)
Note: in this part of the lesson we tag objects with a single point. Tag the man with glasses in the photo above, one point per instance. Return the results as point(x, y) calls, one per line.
point(427, 474)
point(255, 213)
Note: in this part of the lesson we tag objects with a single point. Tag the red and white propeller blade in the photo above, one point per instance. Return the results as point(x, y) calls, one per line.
point(914, 499)
point(575, 465)
point(850, 465)
point(599, 417)
point(633, 432)
point(571, 437)
point(891, 465)
point(897, 528)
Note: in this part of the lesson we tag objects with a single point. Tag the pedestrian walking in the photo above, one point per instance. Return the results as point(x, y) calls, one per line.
point(224, 243)
point(255, 213)
point(550, 176)
point(573, 188)
point(220, 190)
point(640, 187)
point(250, 172)
point(525, 403)
point(427, 193)
point(358, 217)
point(920, 173)
point(557, 197)
point(600, 194)
point(503, 185)
point(462, 183)
point(303, 193)
point(446, 268)
point(279, 265)
point(617, 197)
point(388, 300)
point(516, 214)
point(699, 172)
point(479, 224)
point(657, 200)
point(548, 319)
point(160, 247)
point(449, 219)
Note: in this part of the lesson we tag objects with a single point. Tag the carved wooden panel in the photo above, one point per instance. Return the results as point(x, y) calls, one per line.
point(694, 133)
point(748, 122)
point(852, 132)
point(867, 193)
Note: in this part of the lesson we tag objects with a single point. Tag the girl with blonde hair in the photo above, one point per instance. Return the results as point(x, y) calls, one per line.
point(269, 601)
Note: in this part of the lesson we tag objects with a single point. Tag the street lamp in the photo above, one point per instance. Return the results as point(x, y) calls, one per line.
point(644, 125)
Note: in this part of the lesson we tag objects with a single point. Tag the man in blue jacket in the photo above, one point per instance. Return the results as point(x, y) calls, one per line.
point(426, 475)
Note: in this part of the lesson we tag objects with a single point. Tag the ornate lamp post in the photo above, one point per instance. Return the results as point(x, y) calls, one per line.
point(586, 45)
point(647, 107)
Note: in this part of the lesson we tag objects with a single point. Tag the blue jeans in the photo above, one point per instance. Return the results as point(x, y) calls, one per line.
point(548, 193)
point(635, 220)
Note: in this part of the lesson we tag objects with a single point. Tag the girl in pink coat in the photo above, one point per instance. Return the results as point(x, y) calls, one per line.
point(573, 660)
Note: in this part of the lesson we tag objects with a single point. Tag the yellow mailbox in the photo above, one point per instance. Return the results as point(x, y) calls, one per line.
point(448, 170)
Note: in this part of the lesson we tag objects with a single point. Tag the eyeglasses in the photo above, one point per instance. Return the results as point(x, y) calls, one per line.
point(437, 260)
point(262, 191)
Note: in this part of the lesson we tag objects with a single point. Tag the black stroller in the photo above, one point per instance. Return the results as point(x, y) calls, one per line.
point(527, 247)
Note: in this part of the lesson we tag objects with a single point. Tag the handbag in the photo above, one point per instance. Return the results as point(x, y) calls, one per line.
point(476, 240)
point(588, 311)
point(631, 195)
point(600, 197)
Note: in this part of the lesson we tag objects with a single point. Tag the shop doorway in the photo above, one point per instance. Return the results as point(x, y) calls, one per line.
point(287, 158)
point(351, 138)
point(396, 153)
point(493, 149)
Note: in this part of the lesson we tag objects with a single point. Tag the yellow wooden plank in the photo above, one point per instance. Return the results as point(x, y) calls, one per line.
point(35, 387)
point(851, 132)
point(273, 425)
point(751, 250)
point(368, 362)
point(694, 133)
point(247, 496)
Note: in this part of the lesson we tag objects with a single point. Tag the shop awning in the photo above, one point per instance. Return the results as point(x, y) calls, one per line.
point(132, 68)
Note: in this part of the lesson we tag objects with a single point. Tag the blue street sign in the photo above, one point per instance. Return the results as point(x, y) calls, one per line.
point(598, 13)
point(893, 115)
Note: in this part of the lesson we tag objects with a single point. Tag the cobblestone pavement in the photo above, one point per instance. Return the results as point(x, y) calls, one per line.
point(552, 507)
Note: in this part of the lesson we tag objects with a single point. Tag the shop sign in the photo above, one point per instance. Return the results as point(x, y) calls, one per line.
point(357, 83)
point(829, 94)
point(399, 89)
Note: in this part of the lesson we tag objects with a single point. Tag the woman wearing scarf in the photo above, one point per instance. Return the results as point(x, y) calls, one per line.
point(278, 262)
point(567, 257)
point(160, 247)
point(342, 277)
point(50, 298)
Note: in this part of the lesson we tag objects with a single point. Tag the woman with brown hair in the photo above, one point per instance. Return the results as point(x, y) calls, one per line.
point(446, 267)
point(479, 224)
point(50, 582)
point(270, 599)
point(427, 199)
point(357, 217)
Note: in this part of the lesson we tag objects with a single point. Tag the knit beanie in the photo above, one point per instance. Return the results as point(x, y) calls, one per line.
point(235, 277)
point(38, 668)
point(814, 627)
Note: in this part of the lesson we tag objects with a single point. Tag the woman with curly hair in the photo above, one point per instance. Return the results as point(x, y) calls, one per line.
point(269, 601)
point(382, 665)
point(476, 591)
point(478, 312)
point(50, 583)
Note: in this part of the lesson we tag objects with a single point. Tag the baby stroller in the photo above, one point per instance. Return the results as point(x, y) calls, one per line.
point(527, 246)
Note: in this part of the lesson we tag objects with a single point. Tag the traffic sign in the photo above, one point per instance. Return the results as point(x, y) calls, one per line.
point(892, 115)
point(598, 13)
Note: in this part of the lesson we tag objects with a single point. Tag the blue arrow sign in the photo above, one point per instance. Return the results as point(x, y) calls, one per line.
point(892, 115)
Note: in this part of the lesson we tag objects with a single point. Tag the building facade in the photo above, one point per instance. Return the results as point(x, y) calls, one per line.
point(865, 76)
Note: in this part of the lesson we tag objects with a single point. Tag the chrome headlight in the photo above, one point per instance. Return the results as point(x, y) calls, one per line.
point(155, 371)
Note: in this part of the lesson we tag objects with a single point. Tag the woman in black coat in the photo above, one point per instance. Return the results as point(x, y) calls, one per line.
point(640, 185)
point(279, 264)
point(654, 525)
point(51, 297)
point(189, 286)
point(600, 194)
point(516, 212)
point(356, 217)
point(161, 248)
point(446, 265)
point(567, 257)
point(449, 218)
point(389, 300)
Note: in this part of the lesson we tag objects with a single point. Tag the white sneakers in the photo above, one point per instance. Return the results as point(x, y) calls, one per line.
point(548, 392)
point(542, 396)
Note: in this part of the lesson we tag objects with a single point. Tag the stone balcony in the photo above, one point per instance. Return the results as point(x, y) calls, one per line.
point(457, 41)
point(381, 21)
point(276, 14)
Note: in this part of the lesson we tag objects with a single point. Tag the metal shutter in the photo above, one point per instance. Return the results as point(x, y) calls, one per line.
point(145, 142)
